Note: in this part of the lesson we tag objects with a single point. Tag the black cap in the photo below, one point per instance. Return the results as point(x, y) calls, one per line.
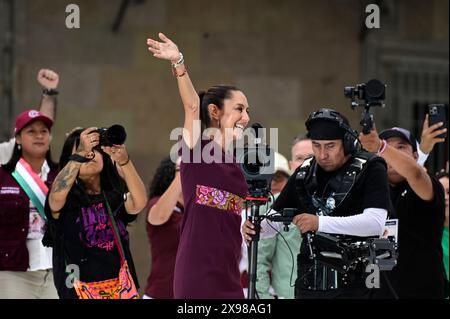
point(401, 133)
point(326, 124)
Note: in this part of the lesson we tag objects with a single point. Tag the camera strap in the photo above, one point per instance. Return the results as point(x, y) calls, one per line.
point(303, 175)
point(79, 158)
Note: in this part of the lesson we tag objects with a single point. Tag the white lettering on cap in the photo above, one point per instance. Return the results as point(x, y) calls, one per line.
point(33, 113)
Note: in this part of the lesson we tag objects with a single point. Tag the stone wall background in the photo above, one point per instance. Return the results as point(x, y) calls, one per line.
point(289, 57)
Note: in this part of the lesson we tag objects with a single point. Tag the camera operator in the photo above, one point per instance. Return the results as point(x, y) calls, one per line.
point(353, 184)
point(418, 199)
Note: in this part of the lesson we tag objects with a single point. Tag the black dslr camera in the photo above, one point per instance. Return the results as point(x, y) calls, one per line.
point(113, 135)
point(256, 161)
point(372, 93)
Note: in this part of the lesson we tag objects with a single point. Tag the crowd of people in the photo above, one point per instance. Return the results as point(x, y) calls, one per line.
point(63, 226)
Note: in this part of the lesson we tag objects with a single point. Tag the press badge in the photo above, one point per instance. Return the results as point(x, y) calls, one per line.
point(391, 229)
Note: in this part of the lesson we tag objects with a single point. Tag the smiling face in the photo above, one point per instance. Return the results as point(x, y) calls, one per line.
point(234, 115)
point(34, 139)
point(329, 154)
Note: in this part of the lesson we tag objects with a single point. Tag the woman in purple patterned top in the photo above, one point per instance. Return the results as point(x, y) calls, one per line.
point(214, 188)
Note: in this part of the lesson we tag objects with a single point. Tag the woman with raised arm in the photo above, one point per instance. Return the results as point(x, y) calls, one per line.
point(25, 264)
point(214, 188)
point(89, 207)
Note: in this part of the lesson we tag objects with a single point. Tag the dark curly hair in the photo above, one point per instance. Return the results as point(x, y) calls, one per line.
point(164, 175)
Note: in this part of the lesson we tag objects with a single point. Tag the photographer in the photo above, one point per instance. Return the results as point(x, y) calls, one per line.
point(89, 207)
point(343, 182)
point(418, 199)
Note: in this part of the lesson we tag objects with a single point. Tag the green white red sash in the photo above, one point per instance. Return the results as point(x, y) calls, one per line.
point(32, 184)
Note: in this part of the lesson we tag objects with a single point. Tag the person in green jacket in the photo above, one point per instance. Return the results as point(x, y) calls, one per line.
point(276, 265)
point(443, 178)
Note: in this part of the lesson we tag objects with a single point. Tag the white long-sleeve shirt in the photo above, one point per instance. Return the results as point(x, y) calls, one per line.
point(422, 156)
point(370, 223)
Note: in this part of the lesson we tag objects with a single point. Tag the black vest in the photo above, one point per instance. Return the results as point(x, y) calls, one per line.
point(338, 186)
point(311, 274)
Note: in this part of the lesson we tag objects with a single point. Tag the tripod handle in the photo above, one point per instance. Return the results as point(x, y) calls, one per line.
point(367, 121)
point(256, 227)
point(309, 238)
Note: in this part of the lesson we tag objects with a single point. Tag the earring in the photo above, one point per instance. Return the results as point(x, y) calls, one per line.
point(19, 146)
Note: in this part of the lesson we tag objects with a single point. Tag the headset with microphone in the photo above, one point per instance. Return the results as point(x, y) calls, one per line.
point(350, 140)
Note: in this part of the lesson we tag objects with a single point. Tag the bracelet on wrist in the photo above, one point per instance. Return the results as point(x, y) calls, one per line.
point(179, 62)
point(175, 73)
point(127, 161)
point(50, 91)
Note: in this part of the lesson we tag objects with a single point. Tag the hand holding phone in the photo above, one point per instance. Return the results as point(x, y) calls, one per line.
point(438, 113)
point(433, 128)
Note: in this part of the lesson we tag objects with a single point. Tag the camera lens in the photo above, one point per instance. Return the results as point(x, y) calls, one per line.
point(251, 163)
point(116, 134)
point(375, 89)
point(349, 91)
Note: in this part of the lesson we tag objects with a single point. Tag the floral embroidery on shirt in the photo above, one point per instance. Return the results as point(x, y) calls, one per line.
point(213, 197)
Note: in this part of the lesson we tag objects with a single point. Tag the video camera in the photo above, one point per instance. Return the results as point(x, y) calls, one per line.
point(256, 161)
point(372, 94)
point(344, 253)
point(113, 135)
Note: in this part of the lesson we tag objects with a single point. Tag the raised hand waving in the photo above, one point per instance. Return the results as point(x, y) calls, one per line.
point(166, 50)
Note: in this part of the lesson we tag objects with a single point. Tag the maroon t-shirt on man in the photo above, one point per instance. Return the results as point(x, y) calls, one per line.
point(164, 241)
point(207, 264)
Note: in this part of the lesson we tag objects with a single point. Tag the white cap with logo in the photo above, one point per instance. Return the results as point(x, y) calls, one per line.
point(281, 164)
